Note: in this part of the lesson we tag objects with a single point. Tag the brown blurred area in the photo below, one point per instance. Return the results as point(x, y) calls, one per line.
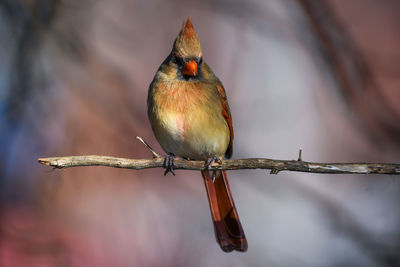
point(320, 75)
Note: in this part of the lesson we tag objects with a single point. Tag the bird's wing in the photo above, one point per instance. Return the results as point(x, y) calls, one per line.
point(226, 113)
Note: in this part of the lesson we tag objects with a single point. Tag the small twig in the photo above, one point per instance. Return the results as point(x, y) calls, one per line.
point(252, 163)
point(155, 155)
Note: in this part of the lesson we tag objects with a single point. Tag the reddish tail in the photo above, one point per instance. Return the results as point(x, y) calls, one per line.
point(228, 230)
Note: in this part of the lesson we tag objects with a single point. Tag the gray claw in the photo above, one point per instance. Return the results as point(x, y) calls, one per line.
point(169, 164)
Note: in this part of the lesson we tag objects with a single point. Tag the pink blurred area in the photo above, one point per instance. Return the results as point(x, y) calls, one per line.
point(73, 81)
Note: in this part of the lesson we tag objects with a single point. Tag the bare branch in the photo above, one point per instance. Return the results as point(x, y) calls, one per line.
point(252, 163)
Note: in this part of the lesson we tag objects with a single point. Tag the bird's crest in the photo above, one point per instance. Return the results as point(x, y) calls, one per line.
point(187, 44)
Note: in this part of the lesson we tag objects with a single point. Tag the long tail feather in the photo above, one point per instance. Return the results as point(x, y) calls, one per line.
point(228, 230)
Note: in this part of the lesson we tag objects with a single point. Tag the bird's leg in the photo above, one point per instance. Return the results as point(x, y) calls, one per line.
point(210, 162)
point(169, 163)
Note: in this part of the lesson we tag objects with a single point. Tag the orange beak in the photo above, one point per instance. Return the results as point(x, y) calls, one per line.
point(190, 68)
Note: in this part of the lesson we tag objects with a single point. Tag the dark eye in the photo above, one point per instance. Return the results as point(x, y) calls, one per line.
point(177, 60)
point(200, 60)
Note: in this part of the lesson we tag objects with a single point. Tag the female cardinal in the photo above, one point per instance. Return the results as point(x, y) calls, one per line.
point(189, 113)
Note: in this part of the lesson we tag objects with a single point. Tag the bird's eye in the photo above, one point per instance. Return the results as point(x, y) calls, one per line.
point(177, 60)
point(200, 60)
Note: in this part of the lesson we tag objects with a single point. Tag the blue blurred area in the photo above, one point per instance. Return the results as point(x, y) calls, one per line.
point(16, 87)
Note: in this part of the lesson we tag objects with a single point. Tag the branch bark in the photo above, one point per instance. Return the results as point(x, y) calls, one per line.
point(251, 163)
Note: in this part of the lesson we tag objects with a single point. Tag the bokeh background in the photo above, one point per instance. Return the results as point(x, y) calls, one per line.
point(318, 75)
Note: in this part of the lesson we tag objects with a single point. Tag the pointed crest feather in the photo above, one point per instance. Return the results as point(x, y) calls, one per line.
point(187, 44)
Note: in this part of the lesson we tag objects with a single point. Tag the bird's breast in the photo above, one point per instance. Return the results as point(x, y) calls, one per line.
point(176, 105)
point(187, 121)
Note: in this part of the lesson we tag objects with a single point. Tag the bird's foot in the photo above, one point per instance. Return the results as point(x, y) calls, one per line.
point(169, 164)
point(210, 162)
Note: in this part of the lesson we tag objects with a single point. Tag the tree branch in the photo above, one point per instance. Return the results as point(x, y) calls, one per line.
point(251, 163)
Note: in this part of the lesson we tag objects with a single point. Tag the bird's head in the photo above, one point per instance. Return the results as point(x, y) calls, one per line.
point(186, 52)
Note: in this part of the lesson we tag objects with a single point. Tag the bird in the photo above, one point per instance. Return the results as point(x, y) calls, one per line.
point(190, 117)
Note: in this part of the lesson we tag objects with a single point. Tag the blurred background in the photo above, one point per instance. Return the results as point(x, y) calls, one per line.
point(318, 75)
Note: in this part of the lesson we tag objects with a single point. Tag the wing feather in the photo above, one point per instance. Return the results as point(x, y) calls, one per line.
point(226, 113)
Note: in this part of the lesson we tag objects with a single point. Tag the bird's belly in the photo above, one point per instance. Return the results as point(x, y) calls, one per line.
point(193, 134)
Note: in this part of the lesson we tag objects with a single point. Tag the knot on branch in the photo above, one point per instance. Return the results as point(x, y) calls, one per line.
point(274, 171)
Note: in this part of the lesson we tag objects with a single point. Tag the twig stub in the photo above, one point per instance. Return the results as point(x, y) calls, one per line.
point(155, 155)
